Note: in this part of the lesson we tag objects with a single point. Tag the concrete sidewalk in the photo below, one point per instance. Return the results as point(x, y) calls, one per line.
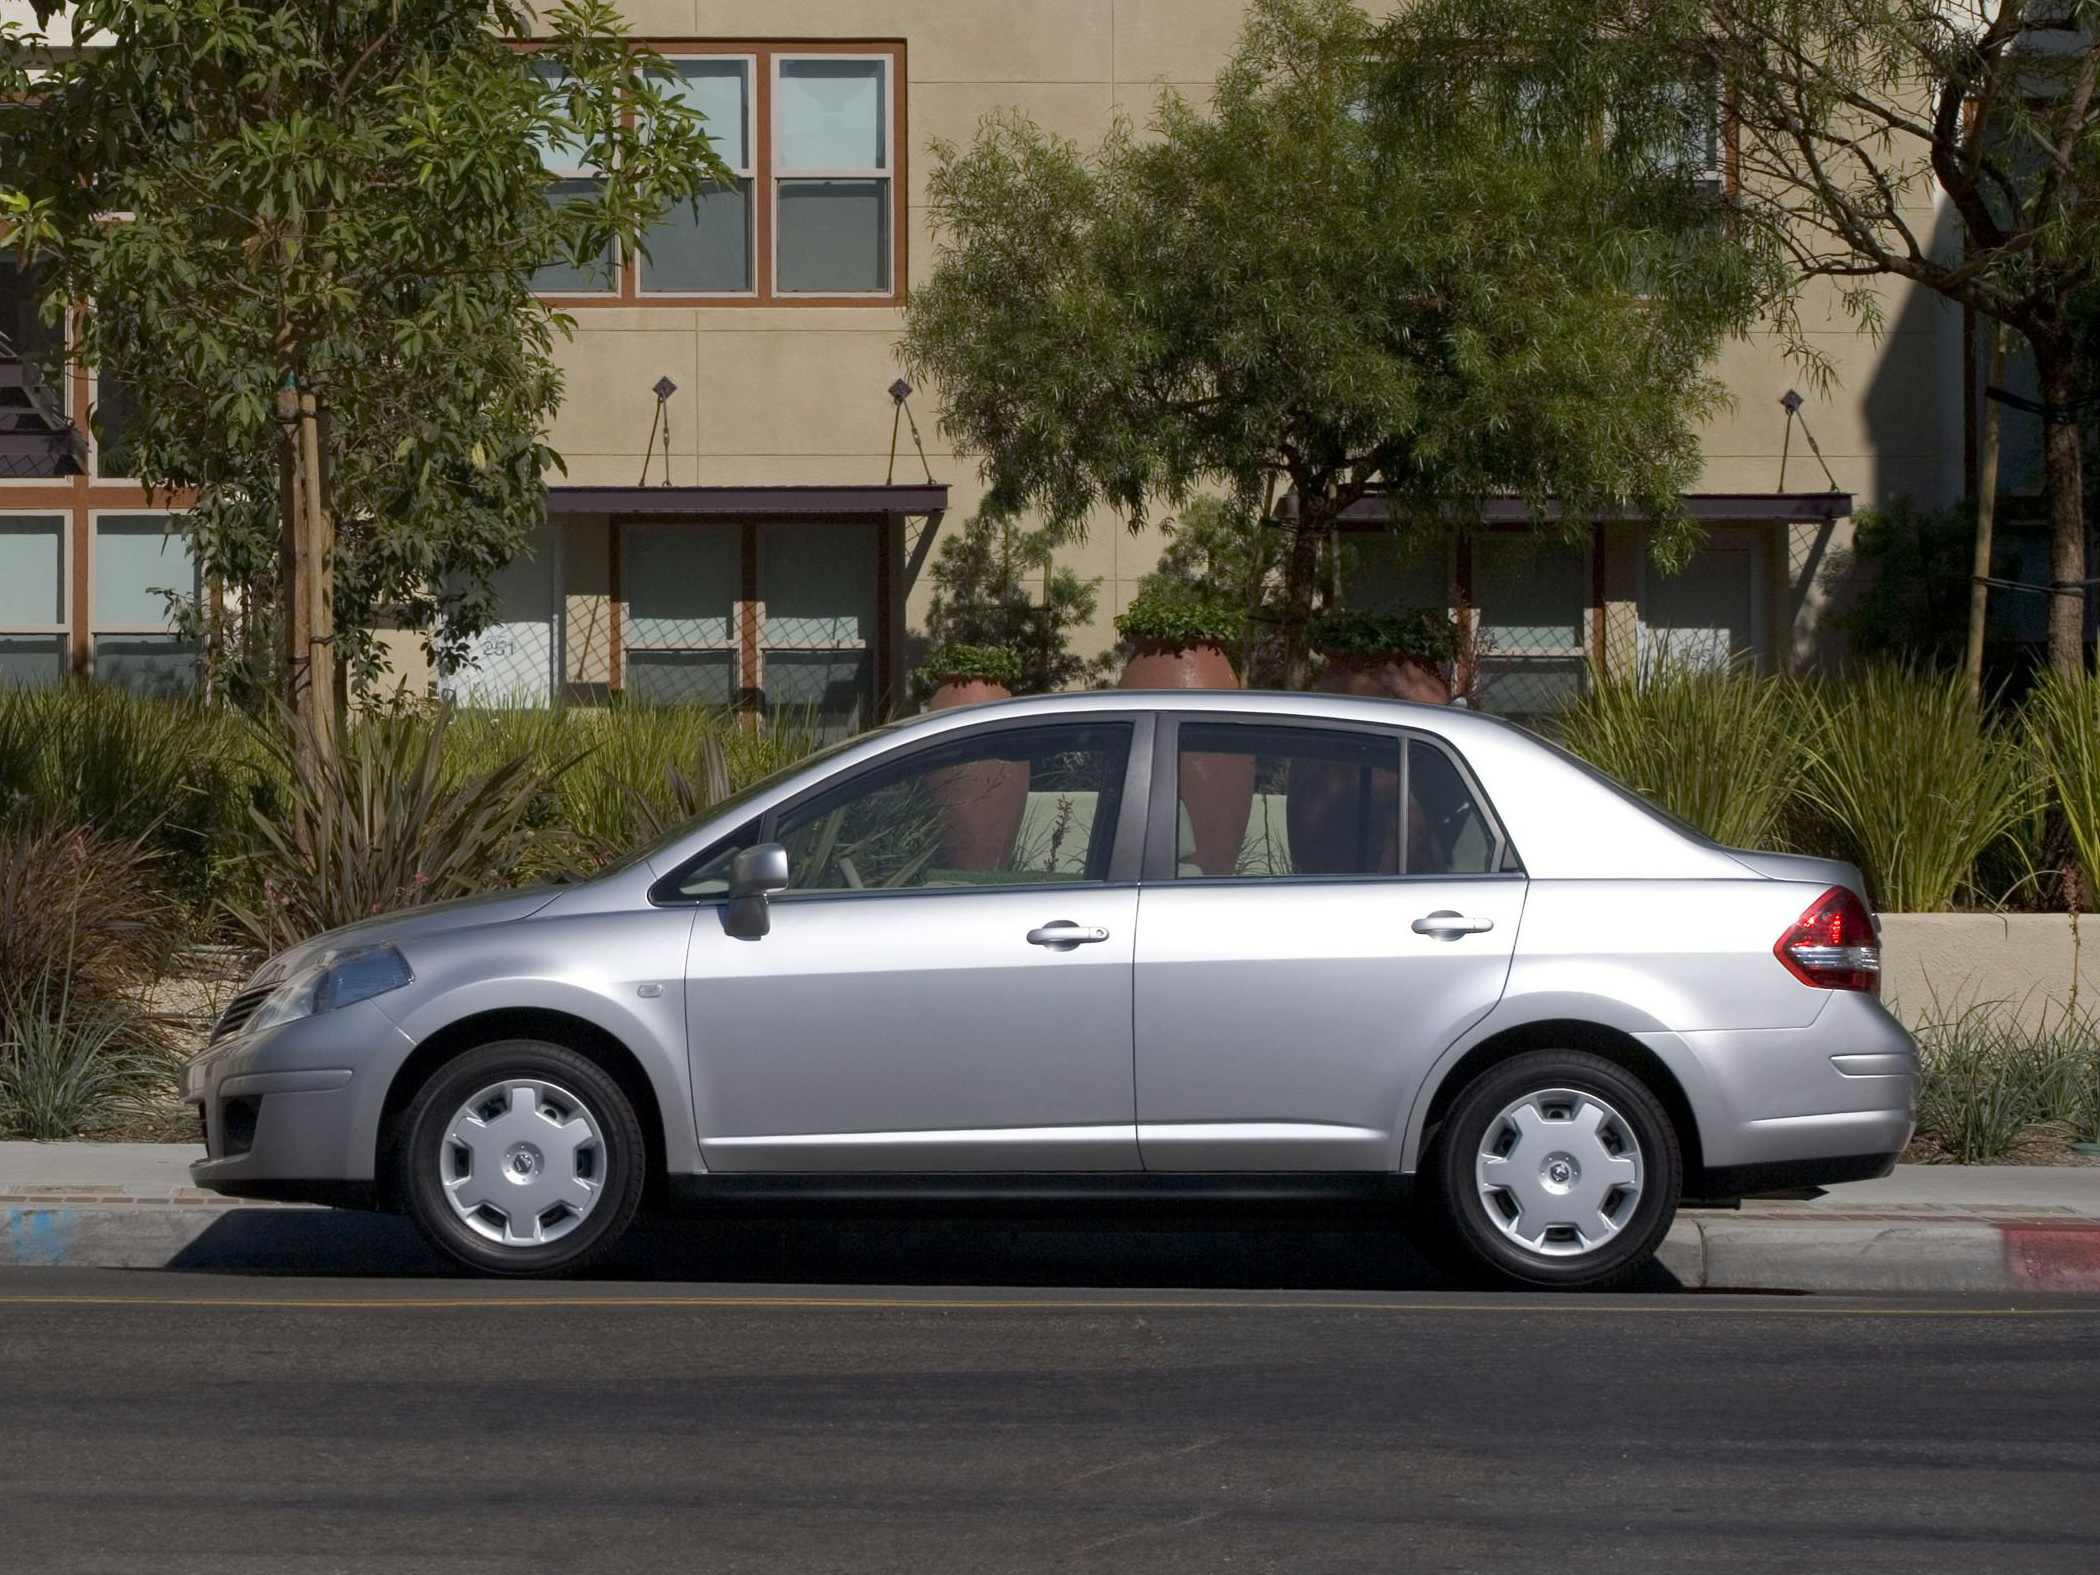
point(1926, 1228)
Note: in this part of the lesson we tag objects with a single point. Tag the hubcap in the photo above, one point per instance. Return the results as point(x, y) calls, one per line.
point(523, 1162)
point(1559, 1172)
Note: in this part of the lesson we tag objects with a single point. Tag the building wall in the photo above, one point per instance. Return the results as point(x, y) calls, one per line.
point(795, 393)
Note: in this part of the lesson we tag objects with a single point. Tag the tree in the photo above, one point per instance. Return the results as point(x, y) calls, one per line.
point(1849, 118)
point(1294, 284)
point(997, 585)
point(317, 288)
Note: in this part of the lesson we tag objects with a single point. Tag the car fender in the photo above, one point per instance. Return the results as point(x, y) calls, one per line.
point(1528, 1007)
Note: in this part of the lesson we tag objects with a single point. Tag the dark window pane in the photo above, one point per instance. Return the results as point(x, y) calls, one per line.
point(562, 277)
point(703, 246)
point(681, 677)
point(31, 661)
point(146, 664)
point(1447, 831)
point(1010, 808)
point(834, 236)
point(832, 692)
point(1279, 801)
point(28, 335)
point(115, 419)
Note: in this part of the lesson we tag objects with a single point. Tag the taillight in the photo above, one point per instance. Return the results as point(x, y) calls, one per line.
point(1832, 946)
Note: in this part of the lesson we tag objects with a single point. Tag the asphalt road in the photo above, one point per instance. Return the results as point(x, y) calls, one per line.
point(167, 1422)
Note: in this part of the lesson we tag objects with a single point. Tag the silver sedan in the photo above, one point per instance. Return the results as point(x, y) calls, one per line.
point(1172, 946)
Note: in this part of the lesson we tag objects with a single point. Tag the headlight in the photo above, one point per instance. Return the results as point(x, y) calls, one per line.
point(331, 980)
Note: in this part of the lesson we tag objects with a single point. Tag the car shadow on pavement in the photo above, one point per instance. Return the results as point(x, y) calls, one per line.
point(976, 1249)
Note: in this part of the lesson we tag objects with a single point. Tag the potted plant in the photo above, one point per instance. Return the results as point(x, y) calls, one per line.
point(1177, 639)
point(1397, 656)
point(966, 674)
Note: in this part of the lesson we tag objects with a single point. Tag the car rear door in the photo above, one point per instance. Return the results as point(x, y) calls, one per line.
point(1294, 984)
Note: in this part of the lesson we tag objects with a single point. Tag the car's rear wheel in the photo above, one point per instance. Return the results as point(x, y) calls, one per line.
point(1553, 1170)
point(522, 1158)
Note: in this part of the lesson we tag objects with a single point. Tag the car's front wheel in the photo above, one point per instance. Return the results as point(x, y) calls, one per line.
point(1555, 1169)
point(522, 1158)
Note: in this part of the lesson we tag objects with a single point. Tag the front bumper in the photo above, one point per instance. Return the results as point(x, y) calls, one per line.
point(293, 1112)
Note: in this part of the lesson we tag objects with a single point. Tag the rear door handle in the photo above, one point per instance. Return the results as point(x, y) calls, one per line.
point(1063, 935)
point(1447, 924)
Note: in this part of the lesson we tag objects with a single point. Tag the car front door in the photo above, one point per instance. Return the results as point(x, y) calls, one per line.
point(946, 982)
point(1296, 981)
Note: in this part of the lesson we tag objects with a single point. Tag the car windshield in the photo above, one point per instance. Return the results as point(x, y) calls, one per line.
point(727, 807)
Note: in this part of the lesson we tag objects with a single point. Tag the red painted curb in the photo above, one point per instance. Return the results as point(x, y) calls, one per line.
point(2053, 1257)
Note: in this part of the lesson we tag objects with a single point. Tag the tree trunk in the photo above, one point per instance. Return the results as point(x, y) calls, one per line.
point(1301, 575)
point(1986, 517)
point(2066, 488)
point(306, 553)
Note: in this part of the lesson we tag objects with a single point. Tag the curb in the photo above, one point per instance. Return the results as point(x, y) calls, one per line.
point(1934, 1255)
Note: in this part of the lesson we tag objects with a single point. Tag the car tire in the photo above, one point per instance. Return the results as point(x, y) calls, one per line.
point(1553, 1170)
point(521, 1158)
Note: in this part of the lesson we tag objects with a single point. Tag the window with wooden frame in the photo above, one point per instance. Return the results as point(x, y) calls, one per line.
point(139, 563)
point(814, 135)
point(782, 616)
point(33, 599)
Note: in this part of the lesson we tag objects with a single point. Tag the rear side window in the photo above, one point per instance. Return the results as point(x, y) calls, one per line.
point(1275, 802)
point(1448, 832)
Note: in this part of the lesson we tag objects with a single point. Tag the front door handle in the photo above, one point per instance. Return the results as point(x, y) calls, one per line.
point(1447, 924)
point(1062, 935)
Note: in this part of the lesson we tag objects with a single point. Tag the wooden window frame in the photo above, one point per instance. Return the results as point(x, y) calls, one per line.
point(764, 57)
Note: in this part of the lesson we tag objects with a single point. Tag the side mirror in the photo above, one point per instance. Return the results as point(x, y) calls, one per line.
point(754, 875)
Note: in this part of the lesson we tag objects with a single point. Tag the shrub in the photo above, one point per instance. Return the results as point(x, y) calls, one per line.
point(378, 826)
point(1986, 1079)
point(1423, 632)
point(80, 914)
point(1914, 783)
point(962, 664)
point(1172, 615)
point(68, 1066)
point(175, 775)
point(2062, 717)
point(997, 586)
point(1719, 749)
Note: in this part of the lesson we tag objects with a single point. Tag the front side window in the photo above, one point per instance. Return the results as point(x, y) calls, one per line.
point(1013, 807)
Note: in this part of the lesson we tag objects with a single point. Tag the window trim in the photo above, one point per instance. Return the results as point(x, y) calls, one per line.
point(765, 53)
point(60, 633)
point(126, 630)
point(1125, 851)
point(1162, 865)
point(748, 173)
point(887, 176)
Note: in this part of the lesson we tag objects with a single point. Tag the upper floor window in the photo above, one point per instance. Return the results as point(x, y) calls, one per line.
point(811, 141)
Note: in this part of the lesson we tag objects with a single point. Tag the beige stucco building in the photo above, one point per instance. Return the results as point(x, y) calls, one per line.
point(752, 535)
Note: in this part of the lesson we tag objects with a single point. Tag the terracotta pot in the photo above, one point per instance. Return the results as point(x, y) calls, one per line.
point(982, 805)
point(966, 691)
point(1392, 675)
point(1158, 664)
point(1216, 790)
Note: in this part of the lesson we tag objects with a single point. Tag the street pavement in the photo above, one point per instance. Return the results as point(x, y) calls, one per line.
point(223, 1423)
point(1958, 1228)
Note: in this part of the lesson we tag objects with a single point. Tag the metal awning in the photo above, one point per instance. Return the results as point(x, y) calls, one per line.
point(1709, 508)
point(747, 502)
